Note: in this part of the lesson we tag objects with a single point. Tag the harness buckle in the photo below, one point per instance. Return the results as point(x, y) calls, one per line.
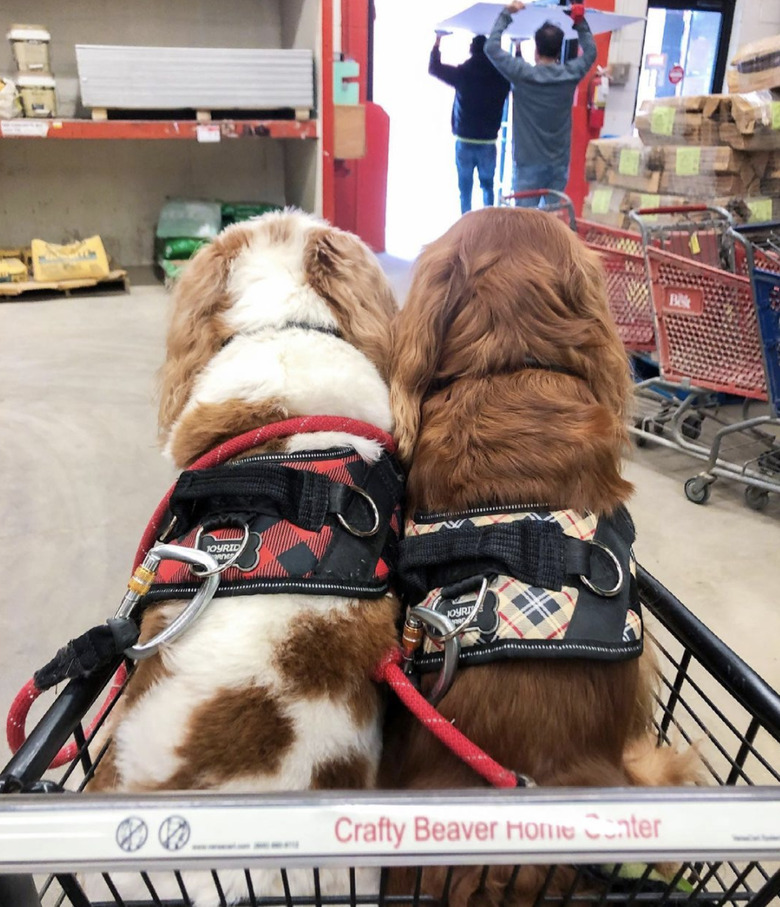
point(148, 569)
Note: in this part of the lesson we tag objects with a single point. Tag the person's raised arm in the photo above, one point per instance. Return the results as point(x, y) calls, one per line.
point(448, 74)
point(508, 65)
point(580, 65)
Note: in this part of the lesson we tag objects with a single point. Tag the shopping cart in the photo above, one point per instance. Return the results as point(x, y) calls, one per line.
point(709, 346)
point(628, 293)
point(550, 200)
point(720, 843)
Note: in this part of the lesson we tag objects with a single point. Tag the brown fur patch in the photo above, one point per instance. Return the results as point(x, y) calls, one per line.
point(197, 330)
point(334, 655)
point(106, 777)
point(238, 732)
point(342, 270)
point(349, 773)
point(211, 424)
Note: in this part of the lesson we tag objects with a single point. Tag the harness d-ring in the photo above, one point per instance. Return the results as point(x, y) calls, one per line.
point(361, 533)
point(605, 593)
point(193, 610)
point(220, 568)
point(445, 626)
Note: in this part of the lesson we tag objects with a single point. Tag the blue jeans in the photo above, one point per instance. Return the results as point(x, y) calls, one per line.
point(470, 155)
point(538, 176)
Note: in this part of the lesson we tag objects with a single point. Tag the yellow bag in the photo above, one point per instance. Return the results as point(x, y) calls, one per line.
point(12, 270)
point(86, 258)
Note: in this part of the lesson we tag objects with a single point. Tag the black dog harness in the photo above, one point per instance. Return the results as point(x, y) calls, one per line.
point(554, 583)
point(318, 522)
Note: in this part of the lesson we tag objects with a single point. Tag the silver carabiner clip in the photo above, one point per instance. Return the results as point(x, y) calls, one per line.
point(446, 628)
point(141, 580)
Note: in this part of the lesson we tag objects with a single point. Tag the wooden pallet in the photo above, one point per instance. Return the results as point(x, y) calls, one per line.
point(116, 280)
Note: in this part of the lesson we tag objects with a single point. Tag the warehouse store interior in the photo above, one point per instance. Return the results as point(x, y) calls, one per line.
point(107, 163)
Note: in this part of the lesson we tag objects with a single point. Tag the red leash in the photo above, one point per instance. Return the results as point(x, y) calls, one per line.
point(20, 707)
point(388, 670)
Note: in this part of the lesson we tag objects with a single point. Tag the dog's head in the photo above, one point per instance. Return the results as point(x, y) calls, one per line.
point(283, 269)
point(502, 286)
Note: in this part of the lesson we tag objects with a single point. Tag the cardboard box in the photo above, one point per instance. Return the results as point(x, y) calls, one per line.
point(37, 95)
point(693, 120)
point(349, 131)
point(756, 66)
point(30, 48)
point(606, 205)
point(705, 172)
point(624, 164)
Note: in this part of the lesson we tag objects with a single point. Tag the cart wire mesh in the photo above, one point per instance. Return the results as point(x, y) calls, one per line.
point(707, 698)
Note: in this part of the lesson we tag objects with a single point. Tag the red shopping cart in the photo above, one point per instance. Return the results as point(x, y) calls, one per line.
point(709, 342)
point(628, 293)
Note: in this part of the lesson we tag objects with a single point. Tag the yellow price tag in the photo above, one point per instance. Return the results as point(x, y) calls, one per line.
point(629, 162)
point(760, 209)
point(688, 161)
point(662, 120)
point(775, 114)
point(693, 244)
point(601, 200)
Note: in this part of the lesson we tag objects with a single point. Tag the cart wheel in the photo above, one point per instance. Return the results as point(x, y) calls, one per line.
point(756, 498)
point(697, 490)
point(691, 427)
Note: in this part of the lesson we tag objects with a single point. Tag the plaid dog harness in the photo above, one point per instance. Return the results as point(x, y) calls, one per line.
point(321, 522)
point(559, 584)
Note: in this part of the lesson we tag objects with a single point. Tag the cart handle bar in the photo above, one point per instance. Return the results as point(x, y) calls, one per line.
point(682, 209)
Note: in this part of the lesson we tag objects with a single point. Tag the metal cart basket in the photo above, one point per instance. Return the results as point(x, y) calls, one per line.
point(719, 843)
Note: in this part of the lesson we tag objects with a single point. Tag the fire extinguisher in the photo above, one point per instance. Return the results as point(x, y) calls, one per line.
point(598, 90)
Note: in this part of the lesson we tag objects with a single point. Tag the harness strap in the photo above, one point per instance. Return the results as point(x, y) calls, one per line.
point(299, 496)
point(388, 671)
point(242, 443)
point(534, 551)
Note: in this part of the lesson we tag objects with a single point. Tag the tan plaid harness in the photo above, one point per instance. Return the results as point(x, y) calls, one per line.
point(559, 584)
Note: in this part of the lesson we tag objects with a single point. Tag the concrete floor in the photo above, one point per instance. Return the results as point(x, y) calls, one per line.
point(81, 475)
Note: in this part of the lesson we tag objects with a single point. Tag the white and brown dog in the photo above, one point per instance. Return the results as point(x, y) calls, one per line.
point(280, 317)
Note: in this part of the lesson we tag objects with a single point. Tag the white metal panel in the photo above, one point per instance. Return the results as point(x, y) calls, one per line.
point(162, 78)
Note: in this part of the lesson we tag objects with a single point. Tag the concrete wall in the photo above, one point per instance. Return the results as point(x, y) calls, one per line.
point(753, 19)
point(59, 190)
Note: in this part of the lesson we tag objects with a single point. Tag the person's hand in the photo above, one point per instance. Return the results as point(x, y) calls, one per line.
point(441, 33)
point(515, 6)
point(577, 13)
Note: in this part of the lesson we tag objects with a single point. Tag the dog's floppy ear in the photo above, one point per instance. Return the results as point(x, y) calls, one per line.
point(418, 335)
point(196, 331)
point(342, 270)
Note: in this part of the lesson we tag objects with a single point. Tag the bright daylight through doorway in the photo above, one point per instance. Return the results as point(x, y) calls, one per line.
point(422, 191)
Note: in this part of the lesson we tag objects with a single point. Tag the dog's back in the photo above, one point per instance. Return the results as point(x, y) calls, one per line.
point(510, 390)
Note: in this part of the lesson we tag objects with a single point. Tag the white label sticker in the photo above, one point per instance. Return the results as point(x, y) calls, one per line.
point(208, 133)
point(38, 128)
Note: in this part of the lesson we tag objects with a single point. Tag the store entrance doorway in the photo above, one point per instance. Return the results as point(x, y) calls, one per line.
point(685, 49)
point(422, 186)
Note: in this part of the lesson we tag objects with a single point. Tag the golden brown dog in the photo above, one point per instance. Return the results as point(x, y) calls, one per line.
point(481, 421)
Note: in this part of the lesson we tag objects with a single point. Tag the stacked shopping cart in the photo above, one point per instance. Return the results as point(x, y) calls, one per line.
point(704, 297)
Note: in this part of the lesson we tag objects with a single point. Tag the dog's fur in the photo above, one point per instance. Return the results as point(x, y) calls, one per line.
point(475, 427)
point(265, 693)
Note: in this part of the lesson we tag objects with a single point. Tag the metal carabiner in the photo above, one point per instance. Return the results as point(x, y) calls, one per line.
point(446, 628)
point(141, 581)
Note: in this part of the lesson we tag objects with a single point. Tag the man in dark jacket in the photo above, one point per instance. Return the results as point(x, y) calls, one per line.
point(480, 93)
point(542, 96)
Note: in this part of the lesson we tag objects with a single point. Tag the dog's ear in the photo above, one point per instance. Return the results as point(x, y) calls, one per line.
point(342, 270)
point(196, 332)
point(437, 289)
